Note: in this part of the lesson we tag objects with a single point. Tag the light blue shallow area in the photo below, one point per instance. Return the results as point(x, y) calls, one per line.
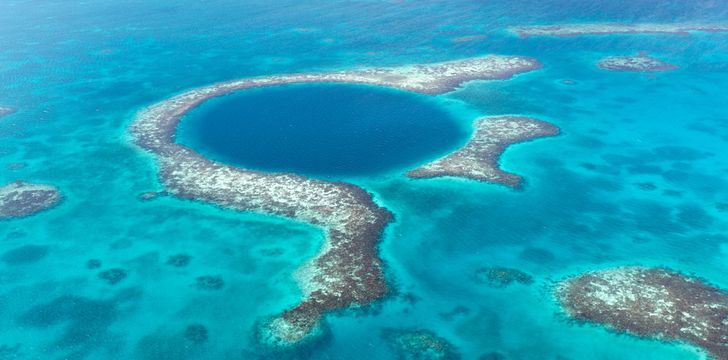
point(638, 176)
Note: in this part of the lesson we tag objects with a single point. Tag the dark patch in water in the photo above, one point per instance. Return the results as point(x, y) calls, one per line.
point(721, 206)
point(590, 142)
point(196, 333)
point(457, 311)
point(644, 169)
point(210, 282)
point(157, 347)
point(322, 129)
point(24, 254)
point(272, 252)
point(112, 276)
point(93, 264)
point(672, 193)
point(537, 255)
point(694, 216)
point(679, 153)
point(492, 356)
point(121, 244)
point(179, 260)
point(646, 186)
point(86, 320)
point(653, 217)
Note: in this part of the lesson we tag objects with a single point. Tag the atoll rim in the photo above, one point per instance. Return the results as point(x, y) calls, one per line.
point(348, 270)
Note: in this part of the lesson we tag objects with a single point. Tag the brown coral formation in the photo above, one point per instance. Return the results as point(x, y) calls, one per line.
point(567, 30)
point(639, 63)
point(347, 271)
point(651, 302)
point(412, 344)
point(478, 159)
point(21, 199)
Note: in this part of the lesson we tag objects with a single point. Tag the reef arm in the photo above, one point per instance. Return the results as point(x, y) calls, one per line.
point(652, 303)
point(640, 63)
point(478, 159)
point(347, 271)
point(569, 30)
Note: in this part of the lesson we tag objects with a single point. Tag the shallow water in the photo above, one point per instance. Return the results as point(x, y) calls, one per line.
point(637, 177)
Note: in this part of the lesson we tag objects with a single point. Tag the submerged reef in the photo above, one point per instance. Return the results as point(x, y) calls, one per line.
point(651, 302)
point(501, 277)
point(478, 159)
point(210, 282)
point(4, 110)
point(112, 276)
point(196, 333)
point(21, 199)
point(93, 264)
point(24, 255)
point(347, 271)
point(639, 63)
point(416, 344)
point(179, 260)
point(566, 30)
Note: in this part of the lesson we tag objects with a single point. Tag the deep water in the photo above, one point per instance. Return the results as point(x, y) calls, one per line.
point(323, 130)
point(638, 176)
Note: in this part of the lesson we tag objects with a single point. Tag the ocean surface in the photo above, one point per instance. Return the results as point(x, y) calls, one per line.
point(637, 177)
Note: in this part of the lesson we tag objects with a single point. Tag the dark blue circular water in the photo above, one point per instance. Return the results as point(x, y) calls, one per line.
point(321, 129)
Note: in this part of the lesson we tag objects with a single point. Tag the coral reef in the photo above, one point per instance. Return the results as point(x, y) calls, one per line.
point(347, 272)
point(112, 276)
point(639, 63)
point(179, 260)
point(478, 159)
point(209, 282)
point(651, 302)
point(93, 264)
point(21, 199)
point(565, 30)
point(501, 277)
point(417, 344)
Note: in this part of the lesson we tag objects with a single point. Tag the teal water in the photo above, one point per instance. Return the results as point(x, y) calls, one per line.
point(78, 71)
point(323, 130)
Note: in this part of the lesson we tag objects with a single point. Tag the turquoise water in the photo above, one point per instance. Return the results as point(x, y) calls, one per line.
point(323, 130)
point(78, 71)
